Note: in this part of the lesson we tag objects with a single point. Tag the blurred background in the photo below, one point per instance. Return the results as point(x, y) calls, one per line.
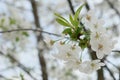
point(26, 28)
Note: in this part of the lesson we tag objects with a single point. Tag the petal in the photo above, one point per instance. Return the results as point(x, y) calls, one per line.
point(99, 55)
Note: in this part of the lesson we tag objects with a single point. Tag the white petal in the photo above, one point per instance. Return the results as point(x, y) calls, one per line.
point(99, 55)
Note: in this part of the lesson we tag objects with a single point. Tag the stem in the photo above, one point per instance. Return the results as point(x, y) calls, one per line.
point(100, 71)
point(36, 30)
point(110, 72)
point(71, 6)
point(112, 6)
point(21, 66)
point(42, 61)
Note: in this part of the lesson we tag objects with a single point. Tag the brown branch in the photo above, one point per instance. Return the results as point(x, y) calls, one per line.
point(1, 76)
point(42, 61)
point(71, 6)
point(116, 51)
point(100, 71)
point(112, 6)
point(110, 72)
point(35, 30)
point(21, 66)
point(114, 66)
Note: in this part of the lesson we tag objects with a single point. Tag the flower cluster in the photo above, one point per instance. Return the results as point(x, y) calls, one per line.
point(100, 41)
point(71, 54)
point(90, 33)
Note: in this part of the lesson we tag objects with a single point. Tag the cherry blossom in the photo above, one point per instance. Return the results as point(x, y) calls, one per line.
point(90, 66)
point(67, 51)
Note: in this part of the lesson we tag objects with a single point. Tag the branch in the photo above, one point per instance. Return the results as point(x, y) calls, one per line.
point(42, 61)
point(71, 6)
point(114, 66)
point(116, 51)
point(36, 30)
point(1, 76)
point(111, 5)
point(21, 66)
point(110, 72)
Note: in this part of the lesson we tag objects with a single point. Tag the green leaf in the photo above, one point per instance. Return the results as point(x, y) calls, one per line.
point(12, 21)
point(73, 22)
point(22, 77)
point(62, 22)
point(17, 39)
point(2, 20)
point(78, 12)
point(67, 31)
point(25, 33)
point(59, 16)
point(71, 19)
point(83, 44)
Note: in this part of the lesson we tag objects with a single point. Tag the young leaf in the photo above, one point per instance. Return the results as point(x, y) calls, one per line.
point(82, 44)
point(12, 21)
point(17, 39)
point(78, 12)
point(59, 16)
point(2, 20)
point(62, 22)
point(73, 22)
point(22, 77)
point(67, 31)
point(71, 18)
point(25, 33)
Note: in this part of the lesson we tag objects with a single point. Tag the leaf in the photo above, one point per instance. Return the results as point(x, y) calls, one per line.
point(2, 20)
point(82, 44)
point(67, 31)
point(22, 77)
point(62, 22)
point(59, 16)
point(78, 12)
point(71, 19)
point(25, 33)
point(73, 22)
point(12, 21)
point(17, 39)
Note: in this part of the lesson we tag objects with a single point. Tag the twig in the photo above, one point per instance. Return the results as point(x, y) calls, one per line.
point(42, 61)
point(71, 6)
point(111, 5)
point(110, 72)
point(36, 30)
point(119, 74)
point(19, 64)
point(4, 77)
point(116, 51)
point(114, 66)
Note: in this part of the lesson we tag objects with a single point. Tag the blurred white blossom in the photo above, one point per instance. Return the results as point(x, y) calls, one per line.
point(90, 66)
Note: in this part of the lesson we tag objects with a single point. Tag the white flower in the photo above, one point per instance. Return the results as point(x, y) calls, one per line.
point(70, 54)
point(74, 63)
point(67, 51)
point(97, 25)
point(101, 43)
point(90, 66)
point(91, 22)
point(89, 19)
point(90, 16)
